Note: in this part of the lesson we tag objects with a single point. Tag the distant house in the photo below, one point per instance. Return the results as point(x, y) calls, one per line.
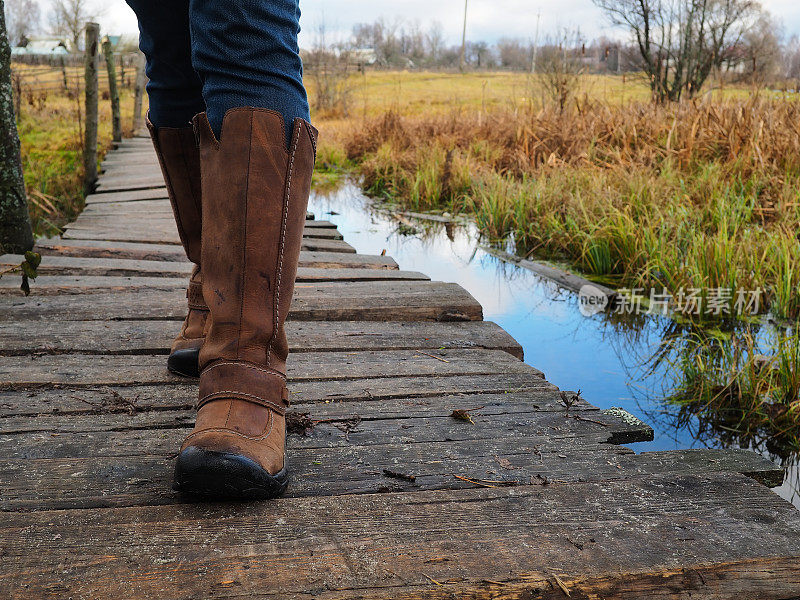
point(363, 56)
point(42, 46)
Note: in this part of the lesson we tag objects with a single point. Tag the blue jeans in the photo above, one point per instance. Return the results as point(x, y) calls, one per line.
point(214, 55)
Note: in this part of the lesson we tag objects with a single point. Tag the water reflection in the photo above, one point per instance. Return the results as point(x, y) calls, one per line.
point(615, 360)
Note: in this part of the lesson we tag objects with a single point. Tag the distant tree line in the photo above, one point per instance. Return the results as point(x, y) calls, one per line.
point(687, 42)
point(65, 20)
point(678, 44)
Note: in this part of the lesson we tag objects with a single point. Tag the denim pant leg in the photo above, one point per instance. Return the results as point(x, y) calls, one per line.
point(246, 54)
point(174, 89)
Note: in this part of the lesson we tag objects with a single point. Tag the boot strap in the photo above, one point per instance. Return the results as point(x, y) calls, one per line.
point(244, 381)
point(194, 295)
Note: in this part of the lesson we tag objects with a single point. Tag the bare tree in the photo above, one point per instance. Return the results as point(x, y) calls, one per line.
point(681, 42)
point(478, 54)
point(559, 66)
point(434, 39)
point(68, 18)
point(514, 54)
point(384, 38)
point(791, 58)
point(22, 20)
point(328, 65)
point(760, 51)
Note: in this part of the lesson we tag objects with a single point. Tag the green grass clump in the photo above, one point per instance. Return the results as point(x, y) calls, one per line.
point(702, 197)
point(739, 389)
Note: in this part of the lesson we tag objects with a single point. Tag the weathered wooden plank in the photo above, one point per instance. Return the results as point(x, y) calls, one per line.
point(145, 251)
point(157, 231)
point(69, 265)
point(133, 181)
point(139, 160)
point(140, 476)
point(161, 206)
point(124, 408)
point(132, 196)
point(132, 165)
point(155, 337)
point(130, 210)
point(133, 152)
point(132, 185)
point(121, 277)
point(107, 249)
point(339, 301)
point(121, 433)
point(531, 542)
point(145, 210)
point(409, 391)
point(55, 284)
point(80, 369)
point(134, 142)
point(117, 156)
point(54, 264)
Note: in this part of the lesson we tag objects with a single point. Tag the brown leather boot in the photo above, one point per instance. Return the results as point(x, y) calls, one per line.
point(254, 205)
point(179, 158)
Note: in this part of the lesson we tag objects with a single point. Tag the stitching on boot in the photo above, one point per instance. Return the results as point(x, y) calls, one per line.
point(194, 296)
point(196, 194)
point(234, 395)
point(186, 169)
point(243, 269)
point(260, 438)
point(284, 219)
point(170, 188)
point(313, 141)
point(247, 365)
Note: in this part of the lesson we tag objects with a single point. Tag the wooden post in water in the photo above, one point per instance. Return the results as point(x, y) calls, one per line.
point(15, 223)
point(138, 93)
point(113, 91)
point(90, 133)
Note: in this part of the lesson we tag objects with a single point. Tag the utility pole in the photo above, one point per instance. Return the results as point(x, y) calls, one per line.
point(464, 39)
point(535, 42)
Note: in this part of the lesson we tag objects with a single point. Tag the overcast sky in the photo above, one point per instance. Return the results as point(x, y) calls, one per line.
point(487, 20)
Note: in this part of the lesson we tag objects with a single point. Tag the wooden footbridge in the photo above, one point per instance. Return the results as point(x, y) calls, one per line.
point(428, 460)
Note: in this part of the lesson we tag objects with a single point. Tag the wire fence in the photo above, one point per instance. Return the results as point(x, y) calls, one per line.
point(43, 83)
point(36, 75)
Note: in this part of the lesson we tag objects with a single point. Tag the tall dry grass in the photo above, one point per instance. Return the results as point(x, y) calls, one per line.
point(51, 139)
point(697, 195)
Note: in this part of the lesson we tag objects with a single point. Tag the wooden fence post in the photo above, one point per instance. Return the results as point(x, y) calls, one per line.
point(64, 73)
point(90, 133)
point(15, 222)
point(116, 121)
point(138, 93)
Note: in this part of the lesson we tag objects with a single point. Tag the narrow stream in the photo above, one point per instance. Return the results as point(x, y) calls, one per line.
point(607, 359)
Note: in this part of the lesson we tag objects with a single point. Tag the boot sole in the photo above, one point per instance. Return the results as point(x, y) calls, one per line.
point(184, 362)
point(225, 475)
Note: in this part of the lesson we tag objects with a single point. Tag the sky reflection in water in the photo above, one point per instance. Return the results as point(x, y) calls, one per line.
point(603, 359)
